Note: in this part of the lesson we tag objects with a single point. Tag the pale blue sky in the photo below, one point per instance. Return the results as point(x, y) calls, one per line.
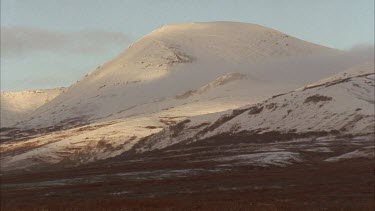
point(49, 43)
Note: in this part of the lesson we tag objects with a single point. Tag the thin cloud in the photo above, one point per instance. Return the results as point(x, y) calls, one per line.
point(20, 41)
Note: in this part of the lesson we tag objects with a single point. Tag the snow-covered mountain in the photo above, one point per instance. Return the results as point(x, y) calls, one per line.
point(194, 73)
point(182, 56)
point(16, 106)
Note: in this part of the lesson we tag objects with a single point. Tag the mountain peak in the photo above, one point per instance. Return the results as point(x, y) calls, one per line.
point(219, 25)
point(146, 70)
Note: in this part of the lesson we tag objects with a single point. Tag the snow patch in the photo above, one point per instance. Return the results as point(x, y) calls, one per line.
point(359, 153)
point(265, 159)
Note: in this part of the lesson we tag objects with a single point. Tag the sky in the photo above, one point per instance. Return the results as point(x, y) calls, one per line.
point(52, 43)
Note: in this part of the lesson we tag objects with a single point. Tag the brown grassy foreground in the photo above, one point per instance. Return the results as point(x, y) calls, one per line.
point(346, 185)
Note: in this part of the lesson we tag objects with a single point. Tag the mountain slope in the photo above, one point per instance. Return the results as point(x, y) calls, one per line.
point(16, 106)
point(338, 105)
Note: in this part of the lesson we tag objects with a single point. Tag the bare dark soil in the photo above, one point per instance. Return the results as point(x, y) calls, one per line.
point(346, 185)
